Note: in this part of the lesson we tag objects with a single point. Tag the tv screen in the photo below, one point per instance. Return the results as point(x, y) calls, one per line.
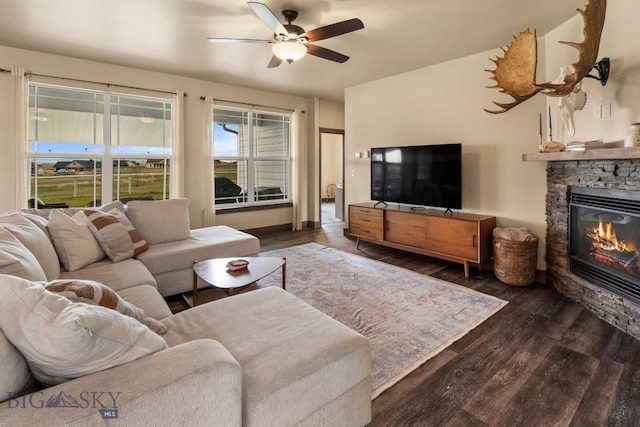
point(425, 175)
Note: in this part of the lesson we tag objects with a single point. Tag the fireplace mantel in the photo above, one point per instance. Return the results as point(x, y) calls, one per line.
point(601, 154)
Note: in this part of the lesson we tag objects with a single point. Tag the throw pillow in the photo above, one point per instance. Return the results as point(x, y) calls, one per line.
point(74, 242)
point(61, 340)
point(117, 236)
point(160, 221)
point(117, 204)
point(17, 260)
point(40, 221)
point(15, 378)
point(96, 293)
point(35, 240)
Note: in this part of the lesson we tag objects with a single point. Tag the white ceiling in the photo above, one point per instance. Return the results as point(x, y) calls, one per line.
point(170, 36)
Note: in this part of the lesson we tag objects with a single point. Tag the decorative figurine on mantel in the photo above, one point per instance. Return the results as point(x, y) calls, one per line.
point(575, 101)
point(550, 146)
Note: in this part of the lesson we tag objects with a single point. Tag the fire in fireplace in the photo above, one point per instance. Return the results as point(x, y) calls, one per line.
point(606, 248)
point(604, 241)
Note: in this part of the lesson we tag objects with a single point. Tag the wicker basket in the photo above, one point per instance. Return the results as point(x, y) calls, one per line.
point(515, 253)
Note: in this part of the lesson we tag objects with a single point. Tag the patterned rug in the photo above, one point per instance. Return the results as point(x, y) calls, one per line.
point(407, 317)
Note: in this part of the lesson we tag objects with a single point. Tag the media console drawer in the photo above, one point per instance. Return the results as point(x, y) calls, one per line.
point(366, 222)
point(460, 237)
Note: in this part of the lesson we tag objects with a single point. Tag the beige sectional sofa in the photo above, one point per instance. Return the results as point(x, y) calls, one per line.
point(75, 352)
point(173, 246)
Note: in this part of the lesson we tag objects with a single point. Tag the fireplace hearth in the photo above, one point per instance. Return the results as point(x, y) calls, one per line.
point(605, 239)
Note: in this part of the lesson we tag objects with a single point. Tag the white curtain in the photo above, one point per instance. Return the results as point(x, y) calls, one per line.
point(177, 147)
point(20, 135)
point(207, 155)
point(297, 167)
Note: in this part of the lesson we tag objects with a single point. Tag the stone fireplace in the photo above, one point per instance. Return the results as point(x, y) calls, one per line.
point(593, 239)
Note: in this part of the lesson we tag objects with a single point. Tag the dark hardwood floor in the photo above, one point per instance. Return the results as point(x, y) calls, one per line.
point(542, 360)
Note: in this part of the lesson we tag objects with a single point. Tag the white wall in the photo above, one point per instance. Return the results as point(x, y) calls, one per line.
point(41, 63)
point(331, 114)
point(620, 43)
point(443, 103)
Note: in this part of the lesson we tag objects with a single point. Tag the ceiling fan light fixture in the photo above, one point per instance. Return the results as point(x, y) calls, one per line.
point(289, 51)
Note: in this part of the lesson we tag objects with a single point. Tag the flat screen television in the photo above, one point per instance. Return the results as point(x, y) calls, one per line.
point(424, 175)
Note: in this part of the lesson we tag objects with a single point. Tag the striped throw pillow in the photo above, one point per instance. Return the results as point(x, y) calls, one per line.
point(117, 236)
point(96, 293)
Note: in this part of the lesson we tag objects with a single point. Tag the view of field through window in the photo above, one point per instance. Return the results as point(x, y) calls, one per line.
point(80, 139)
point(83, 188)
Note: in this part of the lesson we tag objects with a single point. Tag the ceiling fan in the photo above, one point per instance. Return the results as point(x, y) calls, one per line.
point(291, 42)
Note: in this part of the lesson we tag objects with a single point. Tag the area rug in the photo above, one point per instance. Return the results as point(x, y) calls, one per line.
point(407, 317)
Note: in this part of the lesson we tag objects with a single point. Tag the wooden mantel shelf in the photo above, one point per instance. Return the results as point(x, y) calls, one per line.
point(602, 154)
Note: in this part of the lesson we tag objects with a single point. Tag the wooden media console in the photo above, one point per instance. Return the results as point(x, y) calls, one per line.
point(460, 237)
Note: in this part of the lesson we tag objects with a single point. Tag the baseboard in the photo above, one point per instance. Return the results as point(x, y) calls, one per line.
point(311, 225)
point(263, 231)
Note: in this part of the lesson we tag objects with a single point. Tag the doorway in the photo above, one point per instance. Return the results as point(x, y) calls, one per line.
point(331, 176)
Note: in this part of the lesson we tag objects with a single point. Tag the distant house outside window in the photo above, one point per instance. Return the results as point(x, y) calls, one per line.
point(88, 148)
point(251, 152)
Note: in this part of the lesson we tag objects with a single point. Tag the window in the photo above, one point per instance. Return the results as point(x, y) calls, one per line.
point(251, 157)
point(88, 148)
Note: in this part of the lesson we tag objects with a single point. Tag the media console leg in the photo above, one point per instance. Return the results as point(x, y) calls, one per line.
point(357, 242)
point(466, 269)
point(284, 273)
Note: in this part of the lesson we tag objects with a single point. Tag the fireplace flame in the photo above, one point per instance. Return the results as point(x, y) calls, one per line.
point(604, 238)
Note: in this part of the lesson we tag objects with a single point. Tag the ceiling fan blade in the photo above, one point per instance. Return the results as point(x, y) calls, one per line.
point(266, 15)
point(333, 30)
point(225, 40)
point(275, 62)
point(325, 53)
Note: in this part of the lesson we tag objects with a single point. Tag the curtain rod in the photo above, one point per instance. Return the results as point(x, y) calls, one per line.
point(94, 82)
point(250, 104)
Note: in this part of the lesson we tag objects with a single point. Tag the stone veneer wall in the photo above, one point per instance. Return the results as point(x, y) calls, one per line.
point(613, 174)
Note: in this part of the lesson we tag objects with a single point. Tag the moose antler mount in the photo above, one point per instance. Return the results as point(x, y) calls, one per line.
point(515, 72)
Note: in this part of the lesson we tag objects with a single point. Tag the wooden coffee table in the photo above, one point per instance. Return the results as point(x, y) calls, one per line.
point(214, 272)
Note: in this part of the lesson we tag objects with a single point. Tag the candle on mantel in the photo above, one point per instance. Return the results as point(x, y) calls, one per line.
point(540, 125)
point(550, 126)
point(540, 128)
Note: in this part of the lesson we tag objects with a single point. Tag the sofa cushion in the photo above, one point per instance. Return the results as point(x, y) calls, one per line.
point(15, 378)
point(74, 243)
point(17, 260)
point(288, 350)
point(119, 275)
point(160, 221)
point(148, 299)
point(117, 236)
point(38, 243)
point(61, 339)
point(218, 241)
point(96, 293)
